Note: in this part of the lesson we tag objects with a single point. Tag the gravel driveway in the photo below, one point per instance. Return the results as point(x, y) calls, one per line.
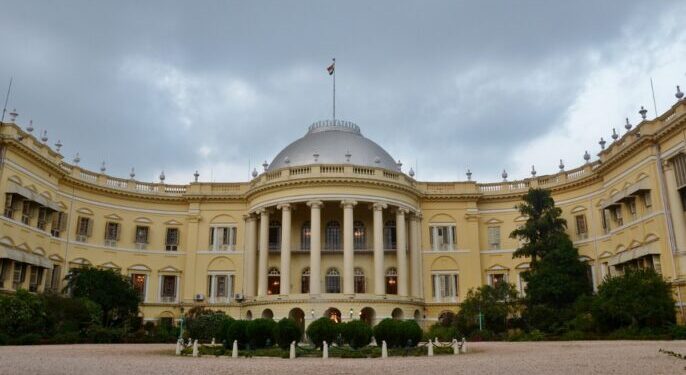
point(574, 358)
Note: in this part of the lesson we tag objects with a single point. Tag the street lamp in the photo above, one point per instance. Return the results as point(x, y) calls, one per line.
point(351, 313)
point(181, 325)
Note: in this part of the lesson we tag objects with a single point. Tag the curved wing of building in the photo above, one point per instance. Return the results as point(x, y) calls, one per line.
point(332, 227)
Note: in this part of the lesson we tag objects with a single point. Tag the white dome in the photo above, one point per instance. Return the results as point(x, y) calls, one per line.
point(327, 142)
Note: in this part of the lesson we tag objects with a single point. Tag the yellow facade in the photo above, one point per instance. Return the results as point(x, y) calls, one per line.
point(244, 247)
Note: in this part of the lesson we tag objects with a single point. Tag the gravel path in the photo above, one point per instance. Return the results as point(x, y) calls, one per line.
point(576, 358)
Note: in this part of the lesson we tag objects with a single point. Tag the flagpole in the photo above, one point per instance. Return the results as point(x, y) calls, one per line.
point(334, 91)
point(7, 97)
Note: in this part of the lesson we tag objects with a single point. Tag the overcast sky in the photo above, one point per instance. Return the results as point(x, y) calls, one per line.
point(442, 86)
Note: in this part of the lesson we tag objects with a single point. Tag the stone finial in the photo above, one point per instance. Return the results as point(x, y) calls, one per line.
point(77, 159)
point(411, 173)
point(13, 116)
point(643, 112)
point(44, 137)
point(469, 175)
point(30, 127)
point(316, 157)
point(679, 95)
point(627, 125)
point(504, 175)
point(132, 174)
point(602, 143)
point(196, 175)
point(58, 145)
point(265, 165)
point(162, 177)
point(103, 168)
point(533, 171)
point(614, 134)
point(254, 172)
point(348, 155)
point(561, 166)
point(587, 156)
point(399, 164)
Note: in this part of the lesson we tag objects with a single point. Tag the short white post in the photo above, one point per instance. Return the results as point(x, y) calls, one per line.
point(373, 342)
point(431, 348)
point(325, 350)
point(234, 352)
point(213, 341)
point(456, 347)
point(195, 348)
point(436, 341)
point(384, 349)
point(464, 345)
point(292, 353)
point(190, 341)
point(178, 347)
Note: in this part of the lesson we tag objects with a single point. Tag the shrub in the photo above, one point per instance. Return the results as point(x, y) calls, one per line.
point(287, 331)
point(411, 332)
point(236, 331)
point(28, 339)
point(21, 313)
point(357, 333)
point(495, 304)
point(322, 329)
point(208, 325)
point(66, 338)
point(444, 333)
point(261, 332)
point(65, 314)
point(398, 333)
point(104, 335)
point(638, 299)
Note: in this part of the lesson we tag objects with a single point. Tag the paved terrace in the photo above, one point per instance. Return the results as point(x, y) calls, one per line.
point(599, 357)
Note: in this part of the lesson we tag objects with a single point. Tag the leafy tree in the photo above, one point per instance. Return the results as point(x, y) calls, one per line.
point(21, 313)
point(636, 299)
point(543, 221)
point(109, 289)
point(207, 324)
point(70, 315)
point(496, 304)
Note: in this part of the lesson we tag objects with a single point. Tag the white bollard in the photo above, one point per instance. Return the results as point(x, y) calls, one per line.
point(234, 352)
point(456, 347)
point(292, 353)
point(195, 348)
point(464, 345)
point(436, 341)
point(325, 350)
point(213, 341)
point(178, 347)
point(384, 349)
point(373, 342)
point(431, 348)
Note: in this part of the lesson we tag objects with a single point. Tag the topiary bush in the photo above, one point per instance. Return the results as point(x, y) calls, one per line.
point(237, 330)
point(444, 333)
point(261, 332)
point(411, 332)
point(388, 330)
point(287, 331)
point(357, 333)
point(322, 329)
point(208, 325)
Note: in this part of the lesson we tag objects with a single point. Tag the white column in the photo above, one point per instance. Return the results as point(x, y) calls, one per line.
point(264, 253)
point(285, 248)
point(434, 238)
point(414, 256)
point(250, 255)
point(348, 249)
point(315, 247)
point(401, 251)
point(379, 288)
point(675, 208)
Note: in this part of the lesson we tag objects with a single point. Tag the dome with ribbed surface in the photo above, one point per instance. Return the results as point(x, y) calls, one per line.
point(329, 142)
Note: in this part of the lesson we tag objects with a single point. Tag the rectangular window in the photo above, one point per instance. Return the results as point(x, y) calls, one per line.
point(617, 212)
point(581, 227)
point(443, 237)
point(494, 238)
point(223, 238)
point(35, 279)
point(171, 241)
point(168, 291)
point(138, 281)
point(445, 287)
point(59, 223)
point(632, 207)
point(84, 228)
point(55, 277)
point(111, 234)
point(43, 213)
point(141, 236)
point(647, 200)
point(19, 275)
point(9, 205)
point(522, 284)
point(4, 271)
point(26, 212)
point(496, 278)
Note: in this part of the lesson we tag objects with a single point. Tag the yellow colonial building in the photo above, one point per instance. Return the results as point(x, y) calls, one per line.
point(333, 226)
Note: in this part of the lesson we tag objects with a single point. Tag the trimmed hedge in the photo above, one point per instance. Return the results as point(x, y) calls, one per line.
point(261, 333)
point(286, 332)
point(322, 329)
point(398, 333)
point(357, 333)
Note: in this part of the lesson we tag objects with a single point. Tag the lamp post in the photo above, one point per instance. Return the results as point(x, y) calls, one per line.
point(351, 313)
point(181, 324)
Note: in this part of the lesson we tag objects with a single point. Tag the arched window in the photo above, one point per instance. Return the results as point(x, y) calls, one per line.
point(392, 281)
point(274, 235)
point(360, 282)
point(389, 238)
point(305, 281)
point(333, 281)
point(305, 236)
point(359, 236)
point(333, 236)
point(273, 281)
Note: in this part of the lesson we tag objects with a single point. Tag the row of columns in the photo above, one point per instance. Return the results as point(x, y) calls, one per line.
point(379, 286)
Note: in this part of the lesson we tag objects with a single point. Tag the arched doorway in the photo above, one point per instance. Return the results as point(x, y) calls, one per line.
point(333, 314)
point(368, 315)
point(267, 314)
point(248, 315)
point(397, 314)
point(299, 317)
point(417, 316)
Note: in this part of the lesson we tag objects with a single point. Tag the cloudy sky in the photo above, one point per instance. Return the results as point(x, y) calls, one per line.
point(444, 86)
